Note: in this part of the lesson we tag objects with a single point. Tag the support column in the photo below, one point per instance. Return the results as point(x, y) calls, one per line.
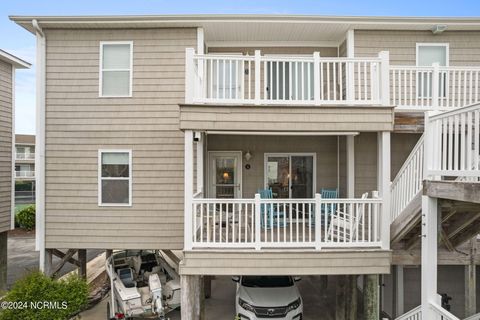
point(351, 292)
point(398, 291)
point(82, 259)
point(340, 301)
point(3, 260)
point(192, 297)
point(199, 137)
point(48, 263)
point(188, 186)
point(371, 298)
point(383, 184)
point(471, 281)
point(350, 166)
point(429, 254)
point(207, 283)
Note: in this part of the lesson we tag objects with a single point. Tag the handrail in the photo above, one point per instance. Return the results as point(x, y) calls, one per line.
point(474, 317)
point(408, 182)
point(445, 114)
point(414, 314)
point(441, 312)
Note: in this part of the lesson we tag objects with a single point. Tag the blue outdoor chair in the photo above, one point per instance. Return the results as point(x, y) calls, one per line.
point(269, 215)
point(326, 210)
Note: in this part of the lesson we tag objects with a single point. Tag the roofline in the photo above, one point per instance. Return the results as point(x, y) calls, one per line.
point(25, 21)
point(13, 60)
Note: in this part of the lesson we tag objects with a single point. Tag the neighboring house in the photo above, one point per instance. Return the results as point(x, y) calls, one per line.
point(24, 168)
point(8, 64)
point(219, 135)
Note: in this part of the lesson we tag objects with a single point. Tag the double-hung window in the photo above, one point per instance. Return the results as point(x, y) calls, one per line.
point(116, 69)
point(114, 177)
point(427, 55)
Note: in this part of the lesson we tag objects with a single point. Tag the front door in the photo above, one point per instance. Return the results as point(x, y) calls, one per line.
point(290, 175)
point(225, 177)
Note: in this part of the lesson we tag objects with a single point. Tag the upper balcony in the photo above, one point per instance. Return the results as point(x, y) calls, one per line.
point(312, 80)
point(285, 79)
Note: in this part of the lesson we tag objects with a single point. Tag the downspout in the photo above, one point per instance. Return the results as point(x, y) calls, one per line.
point(14, 152)
point(40, 144)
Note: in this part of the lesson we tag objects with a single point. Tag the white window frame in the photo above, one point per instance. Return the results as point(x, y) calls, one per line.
point(100, 178)
point(101, 70)
point(290, 155)
point(447, 64)
point(433, 44)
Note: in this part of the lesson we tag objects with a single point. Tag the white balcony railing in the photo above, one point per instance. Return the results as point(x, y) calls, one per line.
point(304, 80)
point(285, 223)
point(412, 87)
point(24, 156)
point(25, 174)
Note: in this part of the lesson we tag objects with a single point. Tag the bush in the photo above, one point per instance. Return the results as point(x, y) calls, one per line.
point(65, 298)
point(26, 218)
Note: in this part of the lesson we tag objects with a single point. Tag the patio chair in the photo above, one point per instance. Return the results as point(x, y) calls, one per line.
point(326, 210)
point(269, 215)
point(344, 225)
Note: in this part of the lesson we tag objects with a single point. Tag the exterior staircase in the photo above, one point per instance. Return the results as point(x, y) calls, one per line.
point(445, 158)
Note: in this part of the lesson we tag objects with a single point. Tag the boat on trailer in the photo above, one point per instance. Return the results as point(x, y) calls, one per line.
point(143, 285)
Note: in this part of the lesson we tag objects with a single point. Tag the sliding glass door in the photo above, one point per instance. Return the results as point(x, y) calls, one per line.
point(290, 175)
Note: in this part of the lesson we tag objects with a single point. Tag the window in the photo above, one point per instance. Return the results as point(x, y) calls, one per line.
point(427, 55)
point(116, 69)
point(115, 178)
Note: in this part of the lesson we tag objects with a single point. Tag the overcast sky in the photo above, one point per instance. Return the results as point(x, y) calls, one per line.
point(19, 42)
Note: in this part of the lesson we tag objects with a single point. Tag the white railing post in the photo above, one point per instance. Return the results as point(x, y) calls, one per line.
point(316, 77)
point(189, 75)
point(378, 215)
point(384, 81)
point(427, 145)
point(435, 85)
point(318, 221)
point(188, 180)
point(257, 222)
point(258, 66)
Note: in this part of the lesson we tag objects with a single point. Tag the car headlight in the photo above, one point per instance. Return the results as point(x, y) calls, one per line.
point(245, 305)
point(294, 305)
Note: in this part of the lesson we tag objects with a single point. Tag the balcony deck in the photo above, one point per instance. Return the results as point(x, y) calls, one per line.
point(226, 79)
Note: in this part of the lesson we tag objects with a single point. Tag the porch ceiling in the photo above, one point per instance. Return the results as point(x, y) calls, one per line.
point(286, 118)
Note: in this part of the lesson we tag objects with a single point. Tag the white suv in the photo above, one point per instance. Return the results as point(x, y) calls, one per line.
point(265, 297)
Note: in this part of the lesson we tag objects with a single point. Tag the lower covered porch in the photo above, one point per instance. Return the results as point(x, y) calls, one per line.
point(264, 191)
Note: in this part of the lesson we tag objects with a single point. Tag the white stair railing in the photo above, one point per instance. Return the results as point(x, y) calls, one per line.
point(441, 313)
point(414, 314)
point(408, 182)
point(474, 317)
point(453, 140)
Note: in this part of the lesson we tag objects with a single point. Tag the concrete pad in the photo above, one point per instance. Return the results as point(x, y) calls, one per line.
point(221, 306)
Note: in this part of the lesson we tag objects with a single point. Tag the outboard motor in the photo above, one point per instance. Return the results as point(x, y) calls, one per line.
point(156, 291)
point(445, 301)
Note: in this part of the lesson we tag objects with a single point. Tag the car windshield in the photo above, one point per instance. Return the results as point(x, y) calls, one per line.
point(267, 281)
